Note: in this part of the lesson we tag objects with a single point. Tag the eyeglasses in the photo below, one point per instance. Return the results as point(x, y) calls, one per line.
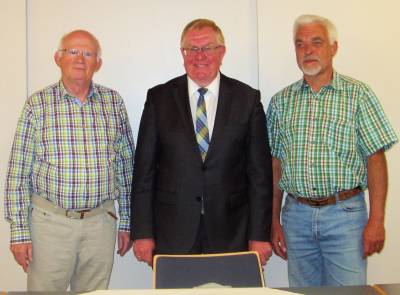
point(207, 50)
point(73, 52)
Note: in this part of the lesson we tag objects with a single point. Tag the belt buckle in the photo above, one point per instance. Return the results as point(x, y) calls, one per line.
point(68, 214)
point(315, 203)
point(78, 214)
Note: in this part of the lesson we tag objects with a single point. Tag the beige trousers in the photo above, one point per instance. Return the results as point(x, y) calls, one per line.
point(71, 252)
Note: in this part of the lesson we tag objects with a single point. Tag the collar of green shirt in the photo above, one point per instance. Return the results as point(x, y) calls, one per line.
point(336, 83)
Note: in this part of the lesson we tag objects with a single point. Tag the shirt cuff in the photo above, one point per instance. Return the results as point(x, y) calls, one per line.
point(124, 225)
point(20, 234)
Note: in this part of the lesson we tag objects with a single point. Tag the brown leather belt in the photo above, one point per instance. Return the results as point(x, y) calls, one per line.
point(343, 195)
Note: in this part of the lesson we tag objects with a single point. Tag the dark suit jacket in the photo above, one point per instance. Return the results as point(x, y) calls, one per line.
point(171, 181)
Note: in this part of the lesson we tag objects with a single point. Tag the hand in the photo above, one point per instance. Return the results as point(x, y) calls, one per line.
point(124, 242)
point(373, 238)
point(22, 254)
point(278, 240)
point(264, 250)
point(143, 250)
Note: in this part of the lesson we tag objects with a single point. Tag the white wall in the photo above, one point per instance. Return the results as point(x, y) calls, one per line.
point(13, 95)
point(140, 41)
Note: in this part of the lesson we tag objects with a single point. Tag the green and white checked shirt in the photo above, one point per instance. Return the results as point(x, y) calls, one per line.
point(74, 155)
point(323, 139)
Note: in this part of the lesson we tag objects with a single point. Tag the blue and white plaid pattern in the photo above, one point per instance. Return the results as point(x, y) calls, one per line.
point(202, 136)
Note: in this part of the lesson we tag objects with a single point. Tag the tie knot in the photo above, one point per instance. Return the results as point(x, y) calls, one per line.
point(202, 91)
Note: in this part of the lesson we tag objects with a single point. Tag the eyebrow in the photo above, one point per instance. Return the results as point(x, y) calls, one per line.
point(312, 39)
point(208, 44)
point(317, 39)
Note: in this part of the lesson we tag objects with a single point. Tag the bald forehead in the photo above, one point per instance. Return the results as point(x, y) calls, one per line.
point(80, 34)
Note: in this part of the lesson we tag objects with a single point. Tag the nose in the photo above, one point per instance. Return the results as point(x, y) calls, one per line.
point(308, 49)
point(200, 55)
point(80, 57)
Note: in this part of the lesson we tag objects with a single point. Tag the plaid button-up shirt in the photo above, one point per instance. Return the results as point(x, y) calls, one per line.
point(74, 155)
point(323, 139)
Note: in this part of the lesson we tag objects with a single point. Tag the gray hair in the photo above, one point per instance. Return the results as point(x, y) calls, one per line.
point(310, 19)
point(201, 23)
point(62, 40)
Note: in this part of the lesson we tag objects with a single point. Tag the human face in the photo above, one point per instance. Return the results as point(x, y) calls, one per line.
point(78, 69)
point(314, 53)
point(202, 67)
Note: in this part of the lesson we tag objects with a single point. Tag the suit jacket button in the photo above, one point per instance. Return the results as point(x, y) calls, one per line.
point(198, 199)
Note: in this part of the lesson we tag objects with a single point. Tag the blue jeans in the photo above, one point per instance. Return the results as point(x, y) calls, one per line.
point(324, 245)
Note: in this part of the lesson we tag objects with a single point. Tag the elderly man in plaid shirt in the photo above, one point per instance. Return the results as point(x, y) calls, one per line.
point(72, 157)
point(328, 134)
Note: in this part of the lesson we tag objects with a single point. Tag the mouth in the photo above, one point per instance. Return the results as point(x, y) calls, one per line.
point(310, 60)
point(200, 65)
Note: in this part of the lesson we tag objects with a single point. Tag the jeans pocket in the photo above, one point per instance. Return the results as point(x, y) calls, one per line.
point(288, 203)
point(354, 204)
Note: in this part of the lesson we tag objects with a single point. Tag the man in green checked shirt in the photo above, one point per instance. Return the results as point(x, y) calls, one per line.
point(72, 157)
point(328, 134)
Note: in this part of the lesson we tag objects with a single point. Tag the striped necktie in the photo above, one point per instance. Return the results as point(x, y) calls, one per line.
point(202, 136)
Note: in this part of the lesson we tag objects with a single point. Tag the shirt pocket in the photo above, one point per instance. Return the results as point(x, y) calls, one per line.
point(338, 136)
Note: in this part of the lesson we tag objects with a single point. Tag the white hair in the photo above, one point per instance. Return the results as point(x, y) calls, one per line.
point(310, 19)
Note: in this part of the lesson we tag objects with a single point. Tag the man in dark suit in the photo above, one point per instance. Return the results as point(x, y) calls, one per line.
point(202, 175)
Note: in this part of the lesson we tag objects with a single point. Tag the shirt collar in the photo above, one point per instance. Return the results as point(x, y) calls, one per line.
point(336, 83)
point(93, 93)
point(213, 87)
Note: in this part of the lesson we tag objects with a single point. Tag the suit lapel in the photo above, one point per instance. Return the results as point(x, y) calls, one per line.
point(222, 115)
point(181, 96)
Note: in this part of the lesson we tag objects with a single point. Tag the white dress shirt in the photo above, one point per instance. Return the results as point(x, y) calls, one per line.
point(210, 98)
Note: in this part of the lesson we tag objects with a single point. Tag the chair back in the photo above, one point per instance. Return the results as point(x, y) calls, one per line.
point(239, 269)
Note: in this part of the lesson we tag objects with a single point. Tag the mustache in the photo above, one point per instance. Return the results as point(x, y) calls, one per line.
point(311, 58)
